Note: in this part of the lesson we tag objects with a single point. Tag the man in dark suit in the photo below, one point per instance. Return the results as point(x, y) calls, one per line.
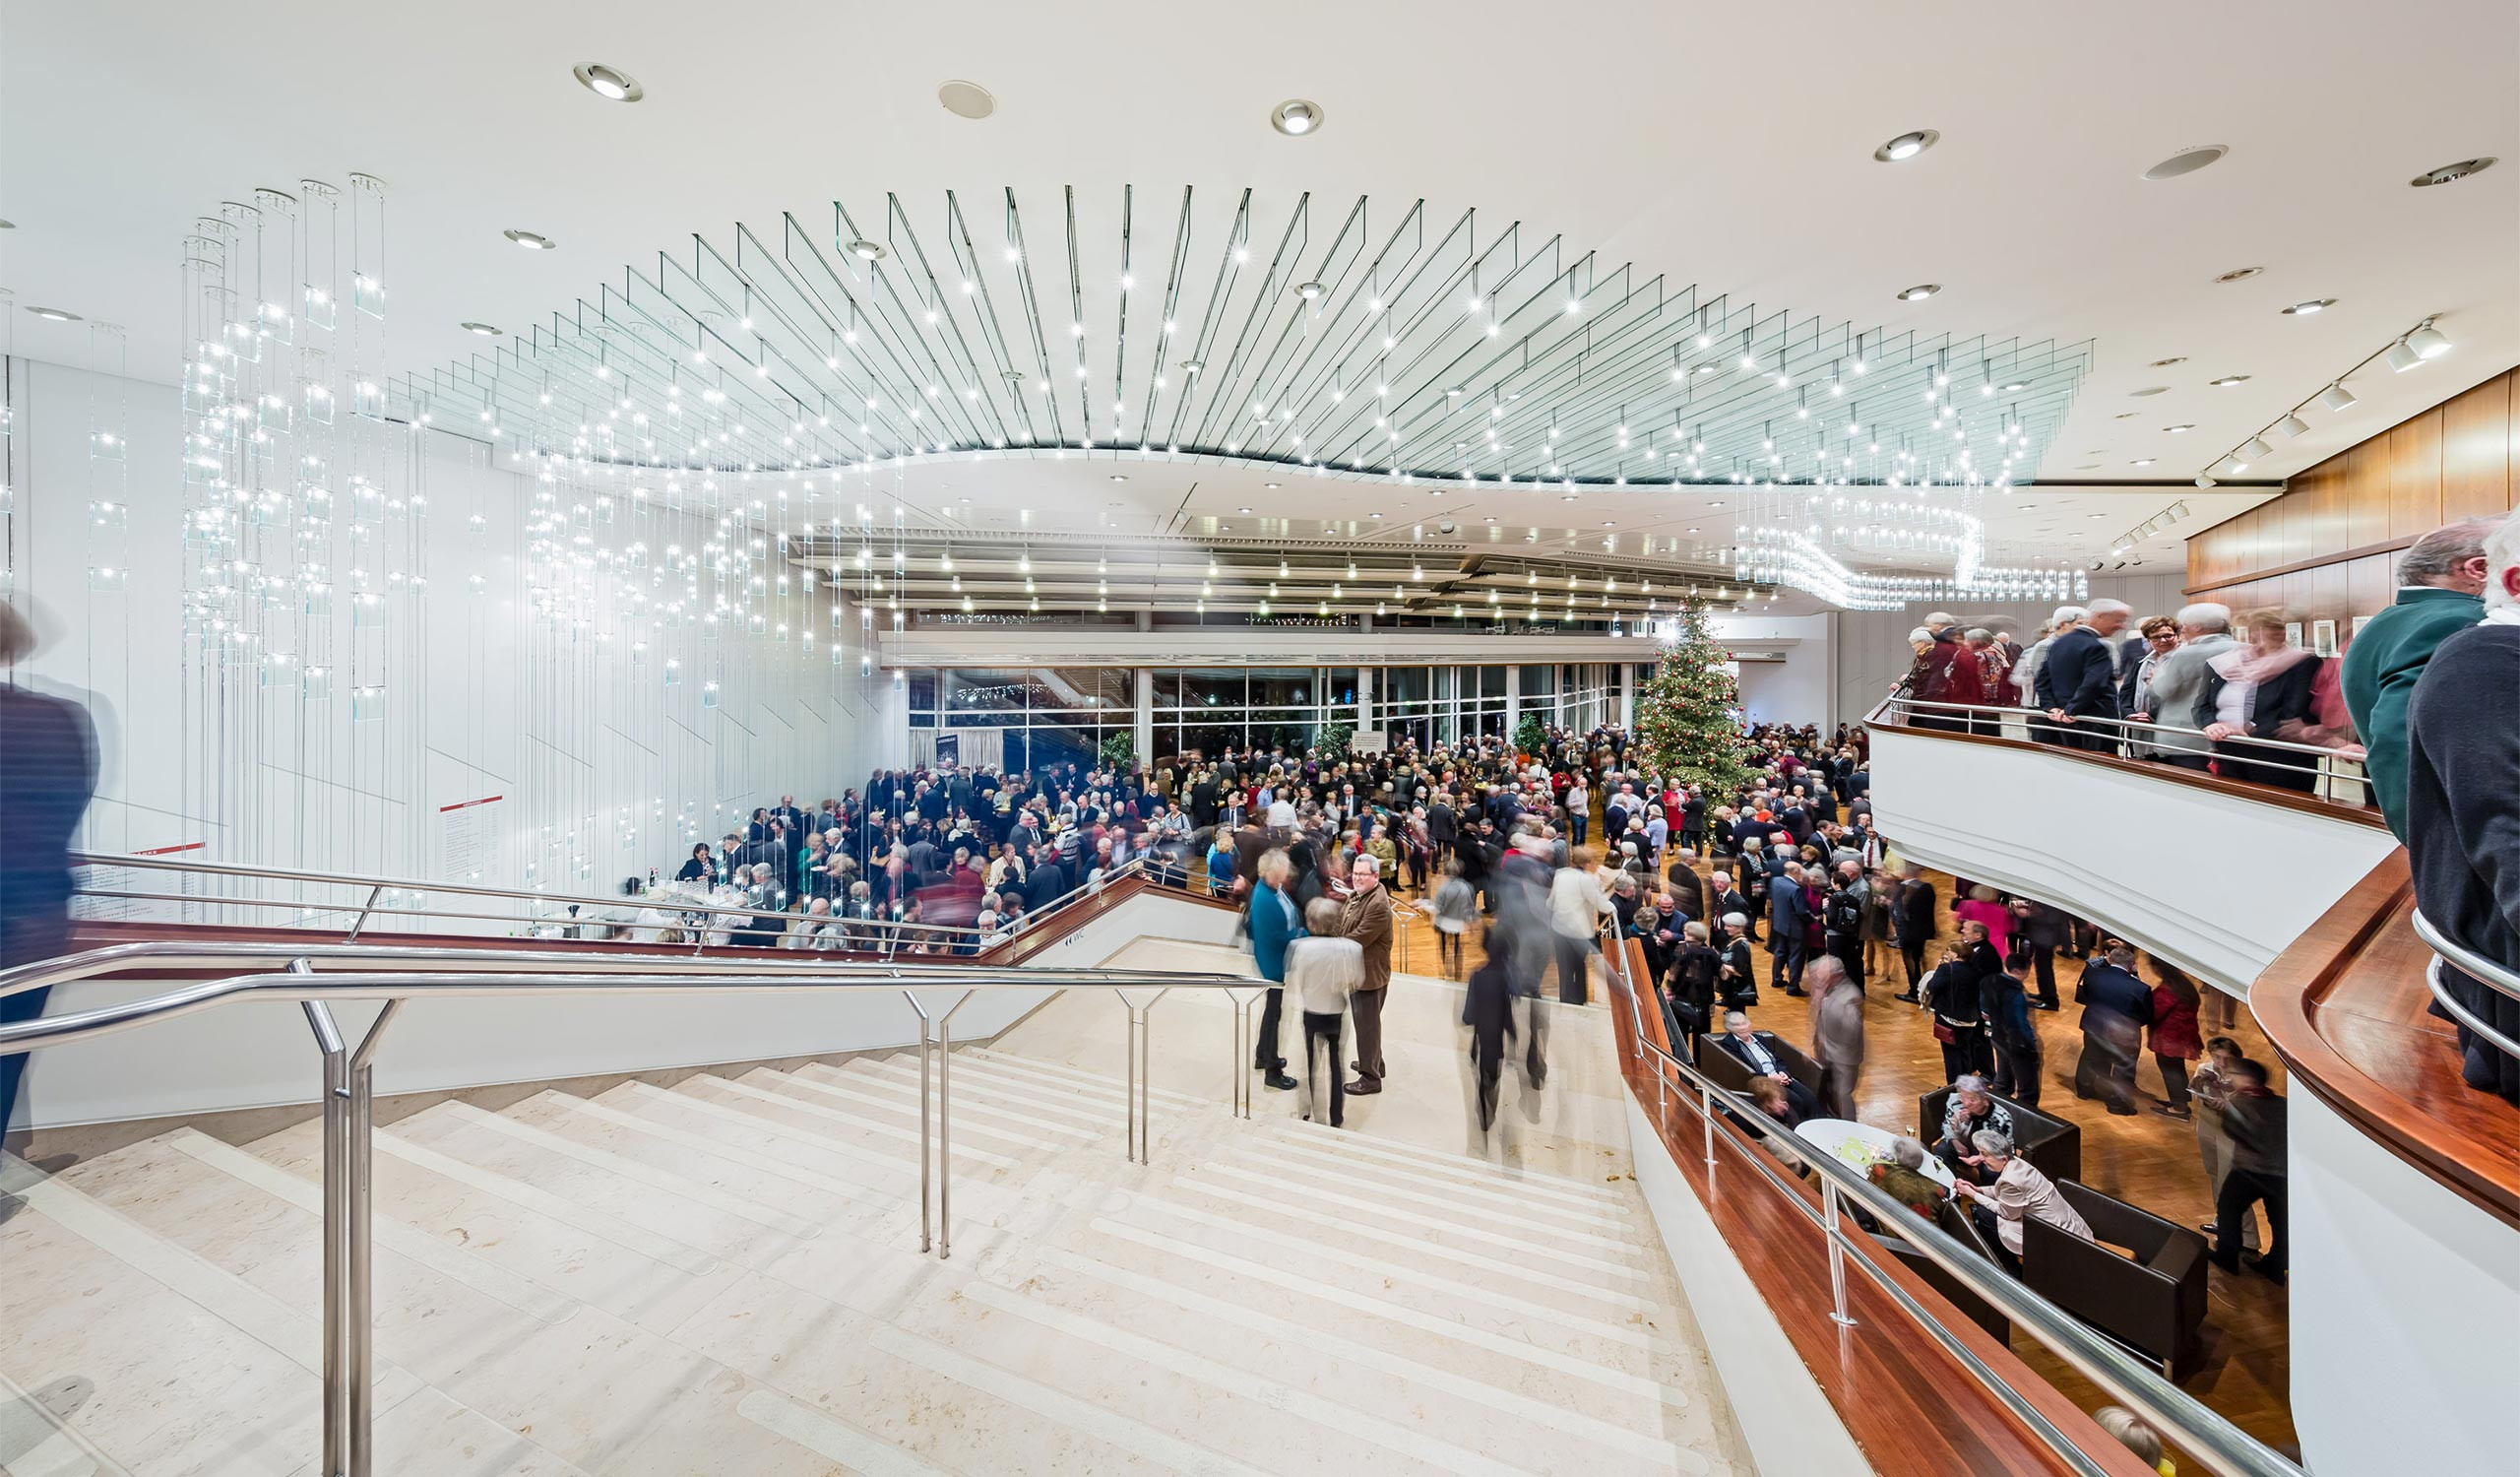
point(1912, 916)
point(1203, 801)
point(2116, 1007)
point(1442, 828)
point(2080, 676)
point(1757, 1050)
point(1046, 882)
point(1789, 928)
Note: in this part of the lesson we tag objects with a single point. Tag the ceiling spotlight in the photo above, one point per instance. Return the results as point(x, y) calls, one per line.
point(2181, 428)
point(2141, 462)
point(2402, 358)
point(2429, 343)
point(866, 250)
point(2188, 162)
point(483, 329)
point(2305, 309)
point(608, 83)
point(2336, 397)
point(2176, 359)
point(2256, 449)
point(1267, 485)
point(1919, 292)
point(2239, 274)
point(1193, 366)
point(2293, 424)
point(54, 315)
point(2227, 381)
point(1907, 146)
point(530, 240)
point(1295, 117)
point(1119, 477)
point(967, 100)
point(1308, 291)
point(2204, 482)
point(2449, 172)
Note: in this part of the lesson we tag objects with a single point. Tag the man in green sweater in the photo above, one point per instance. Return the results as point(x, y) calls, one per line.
point(2440, 592)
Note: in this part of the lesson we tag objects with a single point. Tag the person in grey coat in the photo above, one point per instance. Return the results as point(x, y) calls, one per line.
point(2179, 686)
point(1837, 1033)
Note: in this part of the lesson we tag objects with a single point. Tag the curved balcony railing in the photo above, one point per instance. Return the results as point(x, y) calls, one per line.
point(2215, 1442)
point(2335, 774)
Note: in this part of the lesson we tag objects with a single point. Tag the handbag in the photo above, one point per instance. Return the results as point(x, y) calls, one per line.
point(1944, 1033)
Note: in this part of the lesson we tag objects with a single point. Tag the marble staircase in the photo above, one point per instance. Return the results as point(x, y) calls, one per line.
point(722, 1276)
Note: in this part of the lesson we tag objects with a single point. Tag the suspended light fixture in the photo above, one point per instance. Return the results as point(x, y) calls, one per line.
point(2427, 342)
point(2336, 397)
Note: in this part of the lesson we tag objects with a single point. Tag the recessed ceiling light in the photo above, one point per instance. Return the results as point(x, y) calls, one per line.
point(1244, 511)
point(2125, 415)
point(2227, 381)
point(530, 240)
point(2449, 172)
point(2149, 390)
point(2188, 162)
point(1119, 477)
point(1907, 146)
point(1295, 117)
point(2015, 387)
point(2138, 462)
point(485, 330)
point(608, 83)
point(1919, 292)
point(1307, 290)
point(1267, 485)
point(2177, 429)
point(866, 250)
point(967, 100)
point(1193, 366)
point(54, 315)
point(2239, 274)
point(2305, 309)
point(2095, 515)
point(2175, 358)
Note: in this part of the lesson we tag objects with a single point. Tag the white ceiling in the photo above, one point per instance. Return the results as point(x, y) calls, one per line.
point(1724, 146)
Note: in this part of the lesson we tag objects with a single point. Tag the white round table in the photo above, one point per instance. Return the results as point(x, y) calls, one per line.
point(1863, 1145)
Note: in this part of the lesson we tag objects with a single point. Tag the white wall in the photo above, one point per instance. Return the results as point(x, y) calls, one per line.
point(2182, 871)
point(601, 767)
point(2403, 1302)
point(1798, 689)
point(1872, 645)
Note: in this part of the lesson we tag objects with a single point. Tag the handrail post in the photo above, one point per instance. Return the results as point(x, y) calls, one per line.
point(337, 1225)
point(946, 1125)
point(359, 1323)
point(926, 1145)
point(1706, 1116)
point(1837, 1256)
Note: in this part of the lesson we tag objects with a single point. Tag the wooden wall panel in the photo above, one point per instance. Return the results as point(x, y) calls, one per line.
point(2476, 451)
point(2370, 584)
point(2415, 475)
point(2366, 493)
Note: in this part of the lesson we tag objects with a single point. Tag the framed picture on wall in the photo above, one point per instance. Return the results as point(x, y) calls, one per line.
point(2323, 637)
point(2291, 633)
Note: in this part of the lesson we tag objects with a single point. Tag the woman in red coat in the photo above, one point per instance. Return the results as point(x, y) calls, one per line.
point(2175, 1041)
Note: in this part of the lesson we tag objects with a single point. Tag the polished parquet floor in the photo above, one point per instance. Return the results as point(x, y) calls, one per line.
point(2148, 1160)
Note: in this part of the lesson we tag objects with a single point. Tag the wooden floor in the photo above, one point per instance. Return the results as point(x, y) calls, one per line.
point(2244, 1370)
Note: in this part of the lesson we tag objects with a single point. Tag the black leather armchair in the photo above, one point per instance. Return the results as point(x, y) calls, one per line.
point(2054, 1146)
point(1955, 1223)
point(2153, 1301)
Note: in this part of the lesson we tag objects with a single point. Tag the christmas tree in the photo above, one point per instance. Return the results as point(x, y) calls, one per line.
point(1685, 718)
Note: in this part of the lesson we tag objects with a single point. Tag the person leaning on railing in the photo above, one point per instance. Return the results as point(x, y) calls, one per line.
point(2178, 696)
point(2463, 810)
point(2441, 581)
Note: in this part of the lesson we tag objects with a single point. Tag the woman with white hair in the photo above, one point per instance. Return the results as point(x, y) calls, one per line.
point(2018, 1193)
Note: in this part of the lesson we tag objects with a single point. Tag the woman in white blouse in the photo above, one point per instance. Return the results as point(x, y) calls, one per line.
point(2019, 1192)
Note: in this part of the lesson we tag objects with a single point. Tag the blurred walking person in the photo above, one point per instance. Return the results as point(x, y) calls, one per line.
point(47, 775)
point(1837, 1033)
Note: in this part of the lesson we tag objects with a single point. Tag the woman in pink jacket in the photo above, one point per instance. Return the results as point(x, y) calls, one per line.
point(1981, 905)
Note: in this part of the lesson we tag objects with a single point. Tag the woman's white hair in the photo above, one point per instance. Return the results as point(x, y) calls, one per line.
point(2501, 556)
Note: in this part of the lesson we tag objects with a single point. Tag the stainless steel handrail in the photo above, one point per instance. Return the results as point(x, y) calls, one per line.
point(1998, 710)
point(898, 930)
point(2178, 1417)
point(2476, 967)
point(348, 1091)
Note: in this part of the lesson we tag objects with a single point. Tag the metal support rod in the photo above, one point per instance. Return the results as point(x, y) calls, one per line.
point(946, 1125)
point(337, 1225)
point(1837, 1258)
point(360, 1320)
point(926, 1144)
point(361, 921)
point(1706, 1116)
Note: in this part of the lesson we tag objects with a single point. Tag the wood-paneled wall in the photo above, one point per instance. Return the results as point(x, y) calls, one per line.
point(2327, 548)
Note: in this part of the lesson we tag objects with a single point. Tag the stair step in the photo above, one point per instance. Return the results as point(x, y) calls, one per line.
point(1114, 1084)
point(970, 1116)
point(1306, 1156)
point(790, 1096)
point(971, 1080)
point(1536, 1184)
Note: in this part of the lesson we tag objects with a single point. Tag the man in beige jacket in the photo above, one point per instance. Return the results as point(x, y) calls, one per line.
point(1367, 918)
